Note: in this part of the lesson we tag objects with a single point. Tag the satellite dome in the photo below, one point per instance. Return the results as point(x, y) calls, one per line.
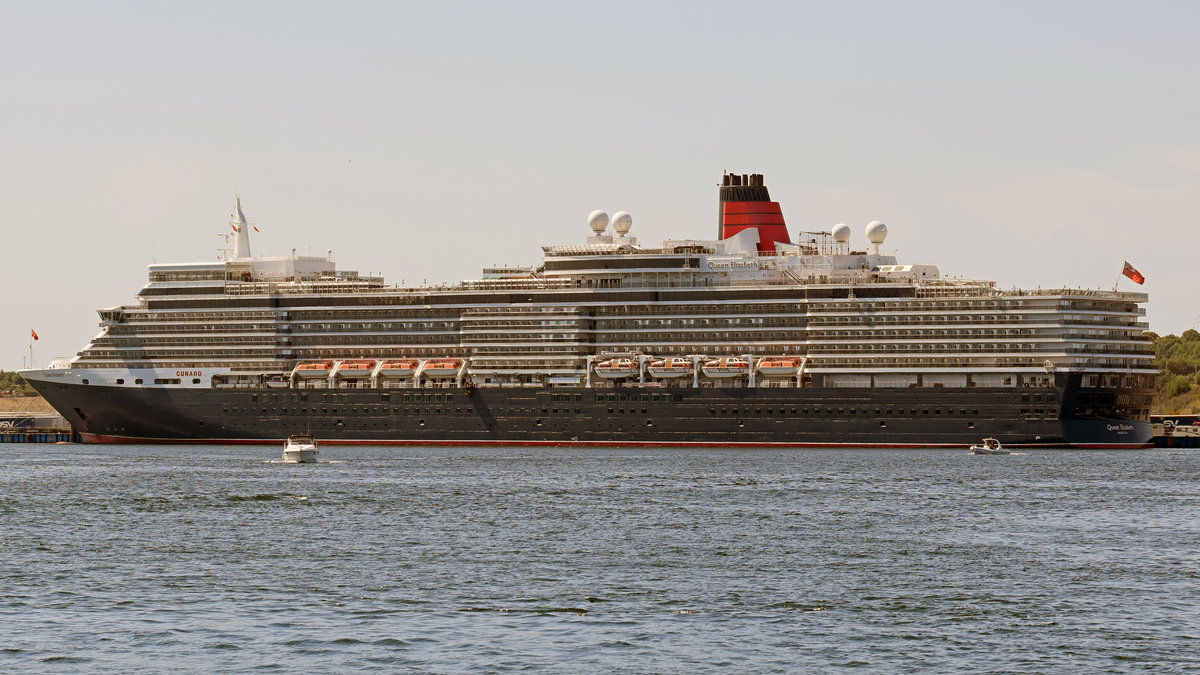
point(598, 221)
point(622, 221)
point(876, 232)
point(841, 233)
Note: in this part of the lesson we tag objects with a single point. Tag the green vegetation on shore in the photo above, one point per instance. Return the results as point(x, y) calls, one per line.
point(1178, 362)
point(12, 382)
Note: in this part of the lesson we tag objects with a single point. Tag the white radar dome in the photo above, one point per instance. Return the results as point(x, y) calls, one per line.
point(622, 221)
point(841, 233)
point(876, 232)
point(598, 221)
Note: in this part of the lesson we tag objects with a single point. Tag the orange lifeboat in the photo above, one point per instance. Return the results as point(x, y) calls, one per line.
point(314, 369)
point(617, 368)
point(441, 368)
point(400, 368)
point(726, 366)
point(672, 367)
point(779, 366)
point(356, 368)
point(277, 381)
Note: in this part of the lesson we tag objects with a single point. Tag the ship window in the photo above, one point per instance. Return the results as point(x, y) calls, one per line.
point(970, 425)
point(195, 380)
point(120, 381)
point(138, 381)
point(882, 424)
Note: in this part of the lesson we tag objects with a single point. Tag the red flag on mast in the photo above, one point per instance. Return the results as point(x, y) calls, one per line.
point(1133, 274)
point(34, 333)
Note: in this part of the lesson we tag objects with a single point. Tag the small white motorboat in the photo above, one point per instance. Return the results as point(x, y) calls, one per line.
point(990, 446)
point(300, 448)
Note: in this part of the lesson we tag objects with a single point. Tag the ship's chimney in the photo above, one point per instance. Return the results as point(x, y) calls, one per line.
point(745, 203)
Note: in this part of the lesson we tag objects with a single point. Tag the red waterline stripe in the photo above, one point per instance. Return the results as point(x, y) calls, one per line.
point(106, 439)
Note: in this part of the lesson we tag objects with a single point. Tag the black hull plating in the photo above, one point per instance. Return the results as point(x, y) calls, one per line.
point(900, 417)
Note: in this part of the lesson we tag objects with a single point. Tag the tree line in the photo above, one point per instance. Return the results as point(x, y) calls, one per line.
point(1178, 363)
point(10, 381)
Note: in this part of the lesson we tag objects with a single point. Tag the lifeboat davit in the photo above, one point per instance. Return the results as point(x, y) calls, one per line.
point(314, 369)
point(440, 368)
point(401, 368)
point(779, 366)
point(672, 367)
point(356, 368)
point(617, 368)
point(726, 366)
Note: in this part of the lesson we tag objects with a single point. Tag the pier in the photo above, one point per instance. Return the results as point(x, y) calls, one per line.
point(37, 436)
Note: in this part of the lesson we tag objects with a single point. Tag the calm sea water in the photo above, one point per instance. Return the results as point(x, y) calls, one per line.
point(152, 558)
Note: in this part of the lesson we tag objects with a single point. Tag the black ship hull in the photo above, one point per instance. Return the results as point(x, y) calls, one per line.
point(825, 417)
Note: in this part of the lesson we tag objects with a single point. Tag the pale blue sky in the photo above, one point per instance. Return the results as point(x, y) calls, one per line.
point(1031, 143)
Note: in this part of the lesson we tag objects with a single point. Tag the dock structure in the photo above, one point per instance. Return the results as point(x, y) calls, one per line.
point(34, 426)
point(1176, 431)
point(32, 435)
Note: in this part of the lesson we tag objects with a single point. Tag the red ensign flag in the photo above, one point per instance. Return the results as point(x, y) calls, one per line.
point(34, 333)
point(1133, 274)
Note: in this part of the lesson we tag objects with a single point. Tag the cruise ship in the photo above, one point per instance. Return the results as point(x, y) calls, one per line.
point(750, 338)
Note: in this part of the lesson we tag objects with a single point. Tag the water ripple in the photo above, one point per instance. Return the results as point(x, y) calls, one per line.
point(147, 558)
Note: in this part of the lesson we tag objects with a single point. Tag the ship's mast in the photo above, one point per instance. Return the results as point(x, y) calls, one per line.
point(241, 241)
